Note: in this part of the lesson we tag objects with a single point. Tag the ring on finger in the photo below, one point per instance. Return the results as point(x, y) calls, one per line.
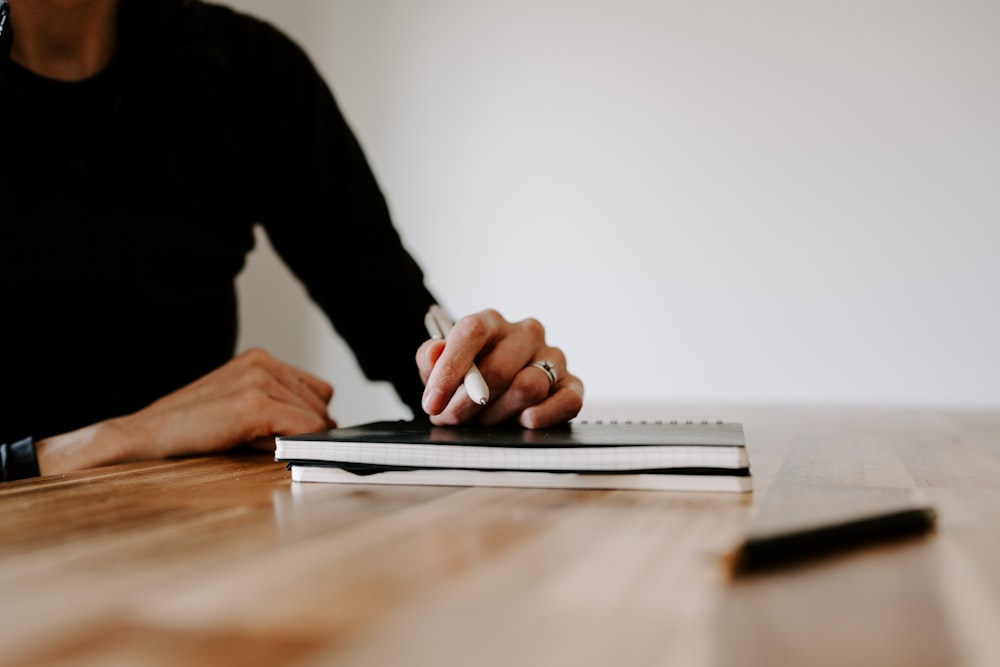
point(549, 369)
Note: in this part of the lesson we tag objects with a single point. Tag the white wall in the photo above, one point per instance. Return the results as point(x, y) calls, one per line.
point(780, 201)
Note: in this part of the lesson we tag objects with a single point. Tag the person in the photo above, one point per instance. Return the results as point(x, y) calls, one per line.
point(142, 141)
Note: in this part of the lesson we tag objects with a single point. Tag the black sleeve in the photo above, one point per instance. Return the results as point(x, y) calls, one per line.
point(18, 460)
point(327, 218)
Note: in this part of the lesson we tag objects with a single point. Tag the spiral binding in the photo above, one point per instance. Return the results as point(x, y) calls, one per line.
point(658, 421)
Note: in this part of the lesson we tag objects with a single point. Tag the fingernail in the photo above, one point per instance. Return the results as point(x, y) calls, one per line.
point(434, 400)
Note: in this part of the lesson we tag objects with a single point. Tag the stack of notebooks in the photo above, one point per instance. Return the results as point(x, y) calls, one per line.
point(687, 456)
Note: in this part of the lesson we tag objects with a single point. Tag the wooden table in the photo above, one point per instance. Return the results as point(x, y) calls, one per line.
point(222, 560)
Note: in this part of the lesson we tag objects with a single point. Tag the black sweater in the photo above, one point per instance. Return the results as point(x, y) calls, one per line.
point(127, 204)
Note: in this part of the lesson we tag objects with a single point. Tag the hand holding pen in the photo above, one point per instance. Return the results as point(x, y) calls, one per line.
point(507, 370)
point(439, 325)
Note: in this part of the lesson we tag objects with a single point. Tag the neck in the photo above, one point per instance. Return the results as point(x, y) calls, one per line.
point(68, 40)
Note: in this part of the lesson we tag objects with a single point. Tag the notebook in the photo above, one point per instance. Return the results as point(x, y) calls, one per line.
point(654, 455)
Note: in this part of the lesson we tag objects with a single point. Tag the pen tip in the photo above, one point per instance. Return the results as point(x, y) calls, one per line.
point(482, 401)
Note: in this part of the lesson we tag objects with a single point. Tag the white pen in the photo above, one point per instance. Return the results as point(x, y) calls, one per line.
point(438, 326)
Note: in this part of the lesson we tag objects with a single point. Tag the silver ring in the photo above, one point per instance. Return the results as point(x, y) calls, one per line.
point(549, 369)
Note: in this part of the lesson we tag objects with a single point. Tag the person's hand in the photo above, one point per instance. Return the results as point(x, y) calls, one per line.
point(250, 399)
point(511, 357)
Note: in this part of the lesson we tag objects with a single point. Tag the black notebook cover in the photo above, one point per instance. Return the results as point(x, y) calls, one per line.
point(573, 434)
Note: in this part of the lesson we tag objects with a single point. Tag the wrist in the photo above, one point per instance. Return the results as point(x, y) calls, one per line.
point(96, 445)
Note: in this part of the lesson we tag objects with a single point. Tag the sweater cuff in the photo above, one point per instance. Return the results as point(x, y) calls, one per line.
point(18, 460)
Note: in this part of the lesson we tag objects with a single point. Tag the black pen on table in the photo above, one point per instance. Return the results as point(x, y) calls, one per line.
point(438, 326)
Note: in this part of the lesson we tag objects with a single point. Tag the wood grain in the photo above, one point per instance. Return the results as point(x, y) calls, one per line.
point(222, 560)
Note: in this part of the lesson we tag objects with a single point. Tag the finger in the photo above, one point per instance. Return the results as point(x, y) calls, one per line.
point(526, 401)
point(528, 389)
point(228, 419)
point(306, 401)
point(512, 353)
point(300, 382)
point(427, 355)
point(315, 398)
point(467, 339)
point(263, 444)
point(500, 362)
point(313, 385)
point(256, 380)
point(460, 410)
point(266, 443)
point(530, 386)
point(564, 404)
point(258, 367)
point(267, 418)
